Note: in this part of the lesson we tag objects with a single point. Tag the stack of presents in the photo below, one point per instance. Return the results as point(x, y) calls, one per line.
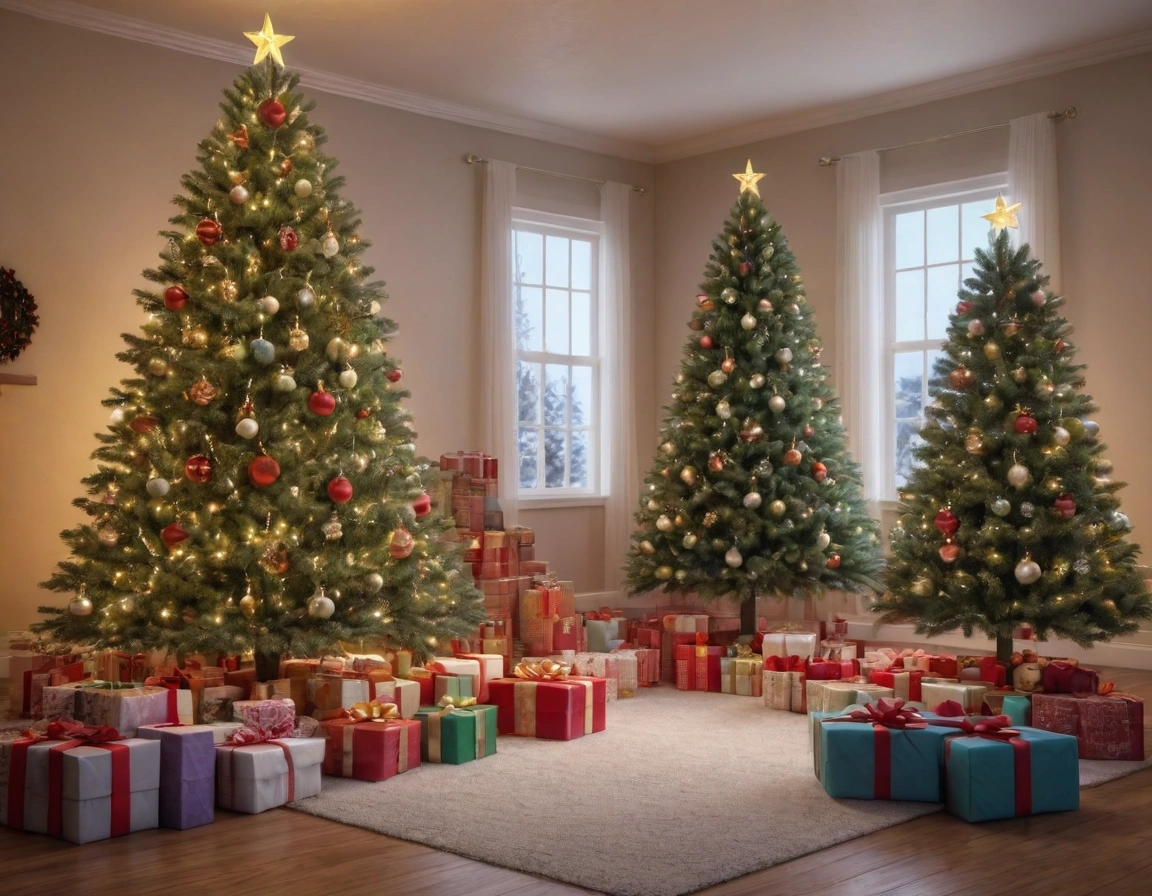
point(990, 740)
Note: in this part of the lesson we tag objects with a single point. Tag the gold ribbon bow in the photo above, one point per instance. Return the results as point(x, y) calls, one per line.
point(374, 711)
point(744, 652)
point(449, 703)
point(548, 670)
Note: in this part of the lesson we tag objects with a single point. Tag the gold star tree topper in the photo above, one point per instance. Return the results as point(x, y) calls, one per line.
point(268, 42)
point(1003, 215)
point(748, 180)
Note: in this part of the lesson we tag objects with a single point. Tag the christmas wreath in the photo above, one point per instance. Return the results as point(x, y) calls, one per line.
point(18, 318)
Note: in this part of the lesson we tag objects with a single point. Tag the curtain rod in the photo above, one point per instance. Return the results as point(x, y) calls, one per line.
point(473, 159)
point(1070, 112)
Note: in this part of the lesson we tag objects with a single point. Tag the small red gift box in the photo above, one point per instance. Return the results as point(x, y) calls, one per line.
point(698, 666)
point(1105, 727)
point(371, 750)
point(1065, 678)
point(982, 668)
point(550, 709)
point(905, 685)
point(832, 670)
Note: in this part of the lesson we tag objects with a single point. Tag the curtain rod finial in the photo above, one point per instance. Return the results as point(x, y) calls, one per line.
point(827, 161)
point(472, 158)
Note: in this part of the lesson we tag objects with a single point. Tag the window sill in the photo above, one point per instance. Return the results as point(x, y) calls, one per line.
point(556, 502)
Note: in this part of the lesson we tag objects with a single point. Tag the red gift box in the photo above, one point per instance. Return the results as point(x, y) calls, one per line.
point(595, 701)
point(943, 667)
point(1105, 727)
point(370, 750)
point(832, 670)
point(669, 642)
point(698, 666)
point(1065, 678)
point(906, 685)
point(982, 668)
point(553, 710)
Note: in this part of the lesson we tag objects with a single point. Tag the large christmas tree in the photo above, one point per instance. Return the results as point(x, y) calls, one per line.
point(258, 487)
point(1010, 517)
point(752, 492)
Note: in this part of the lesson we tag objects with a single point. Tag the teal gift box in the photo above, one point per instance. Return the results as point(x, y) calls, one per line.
point(454, 736)
point(864, 760)
point(1036, 771)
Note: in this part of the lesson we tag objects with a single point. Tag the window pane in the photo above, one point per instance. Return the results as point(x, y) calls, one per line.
point(930, 364)
point(529, 258)
point(908, 383)
point(581, 264)
point(909, 305)
point(556, 394)
point(943, 283)
point(943, 234)
point(556, 268)
point(556, 322)
point(579, 462)
point(528, 391)
point(966, 271)
point(555, 451)
point(975, 228)
point(909, 239)
point(907, 438)
point(529, 318)
point(581, 396)
point(529, 458)
point(581, 323)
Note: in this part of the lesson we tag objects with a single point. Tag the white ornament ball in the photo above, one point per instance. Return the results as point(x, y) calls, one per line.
point(116, 417)
point(776, 403)
point(689, 541)
point(329, 245)
point(748, 321)
point(653, 505)
point(305, 297)
point(348, 378)
point(108, 536)
point(784, 355)
point(1019, 475)
point(269, 305)
point(239, 194)
point(1091, 428)
point(80, 606)
point(157, 487)
point(1001, 507)
point(663, 523)
point(757, 381)
point(823, 540)
point(752, 500)
point(1061, 436)
point(374, 582)
point(303, 188)
point(373, 307)
point(1039, 299)
point(337, 350)
point(284, 383)
point(764, 305)
point(975, 328)
point(1027, 572)
point(247, 428)
point(723, 410)
point(733, 557)
point(320, 606)
point(717, 378)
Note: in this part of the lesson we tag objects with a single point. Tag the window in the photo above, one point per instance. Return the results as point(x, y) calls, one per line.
point(555, 268)
point(930, 235)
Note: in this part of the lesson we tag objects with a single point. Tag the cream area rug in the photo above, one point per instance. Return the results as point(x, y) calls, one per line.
point(683, 790)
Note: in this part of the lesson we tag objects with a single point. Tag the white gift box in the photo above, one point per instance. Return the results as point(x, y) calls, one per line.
point(256, 777)
point(801, 644)
point(969, 694)
point(491, 667)
point(86, 790)
point(600, 665)
point(405, 694)
point(328, 692)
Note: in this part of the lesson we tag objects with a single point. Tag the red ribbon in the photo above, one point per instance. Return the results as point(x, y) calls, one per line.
point(997, 728)
point(884, 715)
point(783, 664)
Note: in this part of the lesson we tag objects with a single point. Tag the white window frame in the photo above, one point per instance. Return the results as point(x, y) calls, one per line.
point(548, 223)
point(891, 204)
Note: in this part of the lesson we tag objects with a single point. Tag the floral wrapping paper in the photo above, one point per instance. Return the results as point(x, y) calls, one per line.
point(275, 718)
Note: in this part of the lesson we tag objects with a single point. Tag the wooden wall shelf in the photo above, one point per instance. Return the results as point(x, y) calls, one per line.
point(16, 379)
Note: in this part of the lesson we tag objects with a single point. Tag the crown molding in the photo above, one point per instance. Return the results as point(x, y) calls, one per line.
point(80, 16)
point(893, 100)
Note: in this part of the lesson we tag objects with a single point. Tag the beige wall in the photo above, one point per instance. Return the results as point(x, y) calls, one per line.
point(95, 135)
point(1106, 221)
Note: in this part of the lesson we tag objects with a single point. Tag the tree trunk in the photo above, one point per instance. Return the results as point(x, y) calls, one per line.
point(1004, 648)
point(748, 615)
point(267, 666)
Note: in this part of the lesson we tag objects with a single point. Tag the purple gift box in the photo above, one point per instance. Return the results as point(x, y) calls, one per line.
point(187, 773)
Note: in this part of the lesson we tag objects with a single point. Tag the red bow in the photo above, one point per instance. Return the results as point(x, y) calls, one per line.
point(889, 713)
point(991, 727)
point(89, 734)
point(783, 664)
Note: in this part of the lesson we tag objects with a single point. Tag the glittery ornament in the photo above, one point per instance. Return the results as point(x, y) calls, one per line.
point(202, 392)
point(332, 529)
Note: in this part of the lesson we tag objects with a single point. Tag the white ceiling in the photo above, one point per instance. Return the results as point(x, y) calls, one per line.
point(656, 79)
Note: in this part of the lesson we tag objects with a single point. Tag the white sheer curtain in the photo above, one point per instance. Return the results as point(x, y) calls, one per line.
point(497, 339)
point(1032, 180)
point(618, 413)
point(859, 303)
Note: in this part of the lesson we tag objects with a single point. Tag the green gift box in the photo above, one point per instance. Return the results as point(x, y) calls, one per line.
point(458, 687)
point(452, 736)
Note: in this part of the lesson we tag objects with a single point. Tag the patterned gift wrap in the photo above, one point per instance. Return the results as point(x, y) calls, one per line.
point(777, 688)
point(452, 735)
point(600, 665)
point(835, 696)
point(1105, 727)
point(370, 748)
point(742, 676)
point(698, 667)
point(647, 665)
point(669, 642)
point(254, 778)
point(122, 708)
point(276, 717)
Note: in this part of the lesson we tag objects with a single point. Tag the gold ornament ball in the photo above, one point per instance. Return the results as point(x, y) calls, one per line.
point(663, 523)
point(681, 575)
point(197, 337)
point(230, 290)
point(777, 507)
point(974, 442)
point(108, 536)
point(992, 351)
point(646, 547)
point(1110, 605)
point(664, 572)
point(248, 605)
point(668, 449)
point(922, 587)
point(689, 541)
point(993, 403)
point(688, 476)
point(1020, 375)
point(157, 366)
point(1053, 484)
point(298, 339)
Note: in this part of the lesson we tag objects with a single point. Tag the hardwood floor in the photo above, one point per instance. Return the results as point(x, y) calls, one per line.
point(1102, 850)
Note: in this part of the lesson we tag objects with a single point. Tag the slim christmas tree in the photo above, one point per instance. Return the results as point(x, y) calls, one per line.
point(258, 486)
point(1011, 518)
point(752, 492)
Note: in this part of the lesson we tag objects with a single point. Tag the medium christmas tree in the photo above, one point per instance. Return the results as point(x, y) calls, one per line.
point(752, 492)
point(258, 486)
point(1011, 518)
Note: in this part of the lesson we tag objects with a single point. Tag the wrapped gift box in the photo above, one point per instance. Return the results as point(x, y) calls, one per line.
point(491, 666)
point(684, 623)
point(39, 672)
point(801, 644)
point(256, 777)
point(425, 679)
point(453, 735)
point(1105, 727)
point(370, 750)
point(647, 665)
point(122, 708)
point(605, 635)
point(969, 694)
point(600, 665)
point(835, 696)
point(553, 710)
point(905, 685)
point(982, 668)
point(458, 687)
point(778, 687)
point(831, 670)
point(698, 667)
point(861, 758)
point(187, 773)
point(328, 693)
point(669, 642)
point(1065, 678)
point(463, 668)
point(595, 701)
point(241, 678)
point(277, 718)
point(216, 703)
point(405, 694)
point(627, 674)
point(1015, 704)
point(81, 791)
point(1034, 771)
point(742, 676)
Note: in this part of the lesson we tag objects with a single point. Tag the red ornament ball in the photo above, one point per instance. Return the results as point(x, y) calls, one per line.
point(263, 470)
point(1065, 505)
point(321, 402)
point(401, 545)
point(363, 413)
point(833, 561)
point(143, 424)
point(949, 553)
point(288, 239)
point(340, 490)
point(808, 431)
point(1025, 424)
point(199, 468)
point(422, 505)
point(964, 307)
point(175, 298)
point(705, 341)
point(173, 534)
point(394, 375)
point(272, 113)
point(208, 232)
point(819, 471)
point(947, 522)
point(745, 268)
point(791, 457)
